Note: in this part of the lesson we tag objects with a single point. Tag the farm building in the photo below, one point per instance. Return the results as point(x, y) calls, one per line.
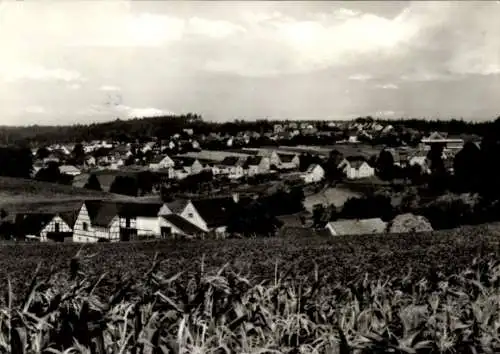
point(314, 173)
point(185, 209)
point(288, 161)
point(257, 165)
point(69, 170)
point(46, 227)
point(356, 167)
point(161, 162)
point(215, 212)
point(356, 227)
point(97, 220)
point(139, 220)
point(232, 166)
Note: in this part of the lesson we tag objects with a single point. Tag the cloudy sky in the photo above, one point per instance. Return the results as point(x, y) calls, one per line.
point(75, 62)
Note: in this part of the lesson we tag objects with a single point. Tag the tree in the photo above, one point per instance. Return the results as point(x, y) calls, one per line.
point(78, 154)
point(93, 183)
point(385, 165)
point(331, 166)
point(42, 153)
point(253, 218)
point(467, 167)
point(50, 173)
point(125, 185)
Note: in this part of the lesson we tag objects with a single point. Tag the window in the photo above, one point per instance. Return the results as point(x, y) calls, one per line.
point(127, 222)
point(85, 226)
point(56, 226)
point(190, 215)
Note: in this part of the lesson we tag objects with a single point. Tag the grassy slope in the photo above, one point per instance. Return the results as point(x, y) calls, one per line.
point(339, 259)
point(18, 193)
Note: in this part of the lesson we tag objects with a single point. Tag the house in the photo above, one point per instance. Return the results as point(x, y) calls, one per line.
point(441, 138)
point(46, 226)
point(97, 221)
point(353, 139)
point(257, 165)
point(216, 212)
point(232, 166)
point(190, 165)
point(69, 170)
point(288, 161)
point(161, 162)
point(314, 173)
point(185, 209)
point(356, 167)
point(356, 227)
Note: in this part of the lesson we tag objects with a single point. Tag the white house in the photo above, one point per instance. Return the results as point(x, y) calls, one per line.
point(288, 161)
point(314, 173)
point(356, 167)
point(97, 220)
point(257, 165)
point(187, 210)
point(356, 227)
point(161, 162)
point(139, 220)
point(232, 166)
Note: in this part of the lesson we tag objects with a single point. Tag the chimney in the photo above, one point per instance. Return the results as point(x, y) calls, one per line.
point(236, 197)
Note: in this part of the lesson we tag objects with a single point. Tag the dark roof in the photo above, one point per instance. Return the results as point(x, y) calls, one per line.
point(32, 224)
point(215, 211)
point(139, 209)
point(253, 160)
point(101, 212)
point(184, 225)
point(230, 161)
point(69, 217)
point(177, 206)
point(286, 157)
point(184, 160)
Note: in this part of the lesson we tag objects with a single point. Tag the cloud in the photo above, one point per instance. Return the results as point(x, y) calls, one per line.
point(132, 112)
point(39, 73)
point(35, 109)
point(109, 88)
point(74, 86)
point(360, 77)
point(388, 86)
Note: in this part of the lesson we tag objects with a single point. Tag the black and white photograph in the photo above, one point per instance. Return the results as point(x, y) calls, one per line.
point(313, 177)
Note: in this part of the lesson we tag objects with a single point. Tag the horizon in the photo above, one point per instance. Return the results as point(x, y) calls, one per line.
point(70, 63)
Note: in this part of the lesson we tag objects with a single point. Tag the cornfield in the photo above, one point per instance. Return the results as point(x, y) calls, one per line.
point(225, 311)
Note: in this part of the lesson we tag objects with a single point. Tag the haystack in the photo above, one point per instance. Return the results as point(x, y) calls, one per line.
point(409, 223)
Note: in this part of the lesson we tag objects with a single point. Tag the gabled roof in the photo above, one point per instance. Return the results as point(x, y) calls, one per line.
point(139, 209)
point(158, 158)
point(231, 161)
point(177, 206)
point(253, 160)
point(215, 211)
point(69, 217)
point(358, 227)
point(286, 157)
point(68, 169)
point(101, 212)
point(184, 225)
point(184, 160)
point(32, 224)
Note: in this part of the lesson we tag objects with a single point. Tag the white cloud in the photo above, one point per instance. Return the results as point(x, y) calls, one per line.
point(211, 28)
point(131, 112)
point(388, 86)
point(74, 86)
point(109, 88)
point(360, 77)
point(22, 71)
point(35, 109)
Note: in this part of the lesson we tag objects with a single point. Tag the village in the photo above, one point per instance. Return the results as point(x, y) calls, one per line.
point(237, 170)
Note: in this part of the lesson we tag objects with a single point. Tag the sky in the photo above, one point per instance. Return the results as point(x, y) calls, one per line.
point(69, 62)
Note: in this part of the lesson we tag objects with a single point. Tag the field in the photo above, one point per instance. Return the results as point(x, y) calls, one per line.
point(336, 195)
point(424, 293)
point(17, 194)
